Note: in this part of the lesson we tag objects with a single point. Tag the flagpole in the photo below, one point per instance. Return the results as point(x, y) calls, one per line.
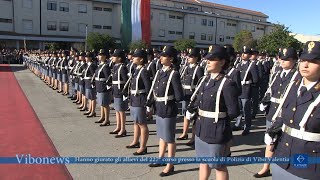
point(85, 47)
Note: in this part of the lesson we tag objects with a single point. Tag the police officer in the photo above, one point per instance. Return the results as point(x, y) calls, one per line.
point(249, 75)
point(273, 97)
point(90, 91)
point(232, 71)
point(71, 65)
point(59, 71)
point(82, 67)
point(255, 87)
point(64, 72)
point(120, 77)
point(140, 86)
point(299, 119)
point(190, 76)
point(167, 92)
point(151, 68)
point(75, 77)
point(54, 71)
point(215, 105)
point(103, 78)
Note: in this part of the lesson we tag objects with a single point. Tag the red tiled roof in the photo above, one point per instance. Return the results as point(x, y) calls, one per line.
point(199, 2)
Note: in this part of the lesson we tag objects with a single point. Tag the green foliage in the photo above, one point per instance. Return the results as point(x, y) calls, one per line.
point(100, 41)
point(53, 46)
point(183, 44)
point(137, 45)
point(279, 38)
point(244, 38)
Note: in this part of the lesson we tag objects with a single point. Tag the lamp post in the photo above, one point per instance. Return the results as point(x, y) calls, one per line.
point(85, 46)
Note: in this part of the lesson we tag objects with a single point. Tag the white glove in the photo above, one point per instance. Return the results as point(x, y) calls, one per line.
point(124, 98)
point(262, 107)
point(108, 87)
point(189, 115)
point(149, 109)
point(92, 86)
point(268, 140)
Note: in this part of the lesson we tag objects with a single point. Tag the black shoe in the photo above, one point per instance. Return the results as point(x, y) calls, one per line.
point(105, 124)
point(73, 98)
point(133, 146)
point(99, 121)
point(266, 174)
point(169, 173)
point(87, 113)
point(114, 132)
point(156, 165)
point(245, 132)
point(92, 115)
point(236, 128)
point(124, 134)
point(190, 143)
point(140, 153)
point(70, 97)
point(183, 138)
point(59, 91)
point(82, 109)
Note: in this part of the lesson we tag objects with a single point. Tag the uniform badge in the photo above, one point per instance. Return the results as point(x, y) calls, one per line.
point(285, 52)
point(164, 49)
point(190, 51)
point(244, 48)
point(311, 46)
point(210, 48)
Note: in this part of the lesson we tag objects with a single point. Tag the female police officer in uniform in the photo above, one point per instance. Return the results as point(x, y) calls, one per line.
point(102, 79)
point(140, 86)
point(190, 76)
point(299, 119)
point(90, 91)
point(120, 77)
point(167, 91)
point(275, 91)
point(215, 105)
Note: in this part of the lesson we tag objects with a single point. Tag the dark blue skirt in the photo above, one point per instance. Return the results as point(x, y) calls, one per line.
point(138, 115)
point(104, 98)
point(64, 78)
point(90, 94)
point(166, 128)
point(119, 104)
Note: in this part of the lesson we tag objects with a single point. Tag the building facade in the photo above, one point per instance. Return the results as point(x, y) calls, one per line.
point(39, 22)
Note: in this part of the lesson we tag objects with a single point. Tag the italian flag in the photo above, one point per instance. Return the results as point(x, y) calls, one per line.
point(135, 21)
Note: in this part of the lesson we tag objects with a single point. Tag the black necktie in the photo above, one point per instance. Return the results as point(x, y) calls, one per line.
point(284, 75)
point(303, 89)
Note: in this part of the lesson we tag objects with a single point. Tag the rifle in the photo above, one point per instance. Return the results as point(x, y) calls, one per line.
point(126, 85)
point(190, 106)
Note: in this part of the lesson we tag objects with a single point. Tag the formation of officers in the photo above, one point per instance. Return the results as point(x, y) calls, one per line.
point(216, 87)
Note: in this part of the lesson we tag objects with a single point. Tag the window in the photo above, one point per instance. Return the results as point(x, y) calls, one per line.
point(2, 20)
point(253, 29)
point(82, 28)
point(210, 23)
point(178, 33)
point(97, 26)
point(162, 17)
point(97, 8)
point(52, 26)
point(203, 36)
point(228, 24)
point(260, 28)
point(232, 38)
point(27, 25)
point(64, 26)
point(221, 38)
point(244, 26)
point(172, 32)
point(107, 9)
point(162, 33)
point(82, 8)
point(191, 35)
point(172, 16)
point(204, 22)
point(192, 20)
point(192, 8)
point(52, 6)
point(210, 37)
point(222, 24)
point(179, 17)
point(27, 4)
point(64, 7)
point(227, 37)
point(106, 27)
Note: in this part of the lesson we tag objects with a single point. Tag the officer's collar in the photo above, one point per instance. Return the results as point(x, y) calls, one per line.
point(192, 65)
point(214, 75)
point(309, 86)
point(165, 68)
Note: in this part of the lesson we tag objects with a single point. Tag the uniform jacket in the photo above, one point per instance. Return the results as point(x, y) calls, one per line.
point(103, 71)
point(252, 76)
point(206, 129)
point(89, 73)
point(186, 79)
point(116, 92)
point(170, 109)
point(144, 83)
point(292, 113)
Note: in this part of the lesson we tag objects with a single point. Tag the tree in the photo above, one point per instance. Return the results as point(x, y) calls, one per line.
point(183, 44)
point(138, 45)
point(53, 46)
point(278, 38)
point(243, 38)
point(100, 41)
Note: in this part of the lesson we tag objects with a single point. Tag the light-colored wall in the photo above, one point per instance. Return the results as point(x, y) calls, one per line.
point(6, 12)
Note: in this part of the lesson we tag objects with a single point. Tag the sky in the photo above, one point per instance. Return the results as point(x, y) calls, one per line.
point(302, 17)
